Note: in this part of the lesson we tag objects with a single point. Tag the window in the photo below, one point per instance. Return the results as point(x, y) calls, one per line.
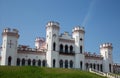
point(66, 63)
point(94, 66)
point(43, 63)
point(23, 62)
point(61, 63)
point(61, 48)
point(18, 62)
point(98, 67)
point(80, 49)
point(81, 65)
point(110, 67)
point(86, 66)
point(71, 49)
point(9, 60)
point(71, 64)
point(66, 48)
point(33, 62)
point(39, 62)
point(54, 46)
point(101, 68)
point(29, 62)
point(91, 65)
point(54, 62)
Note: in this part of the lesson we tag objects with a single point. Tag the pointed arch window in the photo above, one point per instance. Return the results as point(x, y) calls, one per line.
point(61, 48)
point(54, 46)
point(81, 49)
point(66, 48)
point(23, 62)
point(71, 49)
point(33, 62)
point(29, 62)
point(54, 62)
point(18, 61)
point(71, 64)
point(39, 62)
point(66, 63)
point(9, 60)
point(61, 63)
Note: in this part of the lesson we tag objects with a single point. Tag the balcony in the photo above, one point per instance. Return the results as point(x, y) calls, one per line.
point(67, 53)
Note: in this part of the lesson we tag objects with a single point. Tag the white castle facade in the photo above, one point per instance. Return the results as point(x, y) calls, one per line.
point(59, 51)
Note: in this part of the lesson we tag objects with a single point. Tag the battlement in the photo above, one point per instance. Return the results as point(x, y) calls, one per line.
point(52, 23)
point(10, 32)
point(106, 45)
point(78, 29)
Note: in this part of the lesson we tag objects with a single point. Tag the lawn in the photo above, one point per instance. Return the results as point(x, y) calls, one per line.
point(38, 72)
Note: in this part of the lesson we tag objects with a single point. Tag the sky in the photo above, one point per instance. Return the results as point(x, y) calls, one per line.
point(100, 18)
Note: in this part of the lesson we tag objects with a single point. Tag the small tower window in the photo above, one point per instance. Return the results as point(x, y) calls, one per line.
point(110, 67)
point(81, 65)
point(66, 48)
point(9, 60)
point(81, 39)
point(80, 49)
point(54, 62)
point(54, 46)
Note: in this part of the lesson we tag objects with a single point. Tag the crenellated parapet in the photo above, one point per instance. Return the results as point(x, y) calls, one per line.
point(106, 45)
point(78, 29)
point(53, 24)
point(10, 32)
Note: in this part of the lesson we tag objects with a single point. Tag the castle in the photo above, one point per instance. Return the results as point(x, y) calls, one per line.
point(59, 51)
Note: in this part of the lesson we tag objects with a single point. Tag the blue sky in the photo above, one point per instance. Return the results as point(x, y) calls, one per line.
point(101, 19)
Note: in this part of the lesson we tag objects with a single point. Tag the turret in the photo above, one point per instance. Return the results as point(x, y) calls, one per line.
point(78, 34)
point(9, 46)
point(106, 52)
point(52, 41)
point(39, 42)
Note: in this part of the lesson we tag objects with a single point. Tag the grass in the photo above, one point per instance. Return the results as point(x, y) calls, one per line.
point(38, 72)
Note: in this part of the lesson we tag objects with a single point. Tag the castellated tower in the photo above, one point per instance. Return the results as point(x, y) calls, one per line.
point(78, 34)
point(52, 35)
point(9, 46)
point(106, 52)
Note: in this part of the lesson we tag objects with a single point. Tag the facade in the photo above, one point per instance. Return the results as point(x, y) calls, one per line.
point(59, 51)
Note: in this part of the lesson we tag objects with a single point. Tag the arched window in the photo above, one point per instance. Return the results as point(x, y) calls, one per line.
point(66, 63)
point(110, 67)
point(66, 48)
point(23, 62)
point(61, 63)
point(39, 62)
point(54, 46)
point(91, 65)
point(101, 67)
point(54, 62)
point(61, 48)
point(33, 62)
point(18, 61)
point(80, 49)
point(98, 67)
point(9, 60)
point(71, 49)
point(81, 65)
point(71, 64)
point(29, 62)
point(43, 63)
point(94, 66)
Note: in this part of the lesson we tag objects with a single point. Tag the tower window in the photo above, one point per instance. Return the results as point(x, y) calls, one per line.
point(80, 49)
point(110, 67)
point(66, 48)
point(81, 39)
point(9, 60)
point(54, 46)
point(81, 65)
point(54, 62)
